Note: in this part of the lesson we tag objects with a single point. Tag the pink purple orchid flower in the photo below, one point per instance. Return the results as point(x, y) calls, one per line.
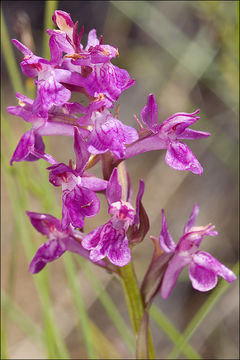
point(110, 240)
point(167, 136)
point(100, 136)
point(204, 269)
point(58, 242)
point(78, 186)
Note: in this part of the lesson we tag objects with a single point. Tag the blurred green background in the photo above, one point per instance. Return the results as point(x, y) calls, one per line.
point(185, 52)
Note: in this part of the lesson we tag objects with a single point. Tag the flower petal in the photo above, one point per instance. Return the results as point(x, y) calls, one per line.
point(49, 251)
point(119, 253)
point(202, 278)
point(191, 221)
point(44, 223)
point(191, 134)
point(138, 201)
point(165, 240)
point(110, 134)
point(92, 39)
point(175, 266)
point(49, 93)
point(152, 142)
point(207, 261)
point(93, 183)
point(180, 157)
point(81, 152)
point(149, 114)
point(80, 202)
point(114, 189)
point(178, 122)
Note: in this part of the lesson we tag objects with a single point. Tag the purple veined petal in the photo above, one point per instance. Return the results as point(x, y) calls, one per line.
point(165, 240)
point(81, 202)
point(103, 54)
point(24, 112)
point(63, 21)
point(122, 78)
point(75, 107)
point(191, 134)
point(108, 80)
point(149, 114)
point(178, 122)
point(39, 155)
point(81, 152)
point(44, 223)
point(66, 220)
point(100, 240)
point(25, 148)
point(49, 251)
point(118, 252)
point(152, 142)
point(68, 77)
point(24, 50)
point(91, 240)
point(55, 50)
point(76, 39)
point(56, 128)
point(50, 92)
point(110, 134)
point(138, 201)
point(61, 42)
point(180, 157)
point(76, 247)
point(24, 99)
point(203, 259)
point(191, 241)
point(114, 189)
point(175, 266)
point(93, 183)
point(202, 278)
point(92, 39)
point(57, 172)
point(33, 65)
point(192, 219)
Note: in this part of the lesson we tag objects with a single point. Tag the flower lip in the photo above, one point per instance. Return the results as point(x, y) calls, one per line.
point(122, 210)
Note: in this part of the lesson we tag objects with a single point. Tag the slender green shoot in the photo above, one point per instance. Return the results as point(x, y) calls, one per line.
point(108, 304)
point(84, 322)
point(9, 57)
point(50, 7)
point(170, 330)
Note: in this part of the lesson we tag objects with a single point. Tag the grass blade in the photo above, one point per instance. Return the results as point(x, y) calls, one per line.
point(79, 303)
point(170, 330)
point(50, 7)
point(108, 305)
point(21, 318)
point(18, 198)
point(9, 57)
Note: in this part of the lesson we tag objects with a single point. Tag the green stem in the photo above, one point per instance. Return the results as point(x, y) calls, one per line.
point(134, 302)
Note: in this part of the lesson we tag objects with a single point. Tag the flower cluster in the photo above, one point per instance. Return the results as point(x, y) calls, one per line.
point(98, 135)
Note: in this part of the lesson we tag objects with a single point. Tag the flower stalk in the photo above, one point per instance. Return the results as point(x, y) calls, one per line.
point(134, 302)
